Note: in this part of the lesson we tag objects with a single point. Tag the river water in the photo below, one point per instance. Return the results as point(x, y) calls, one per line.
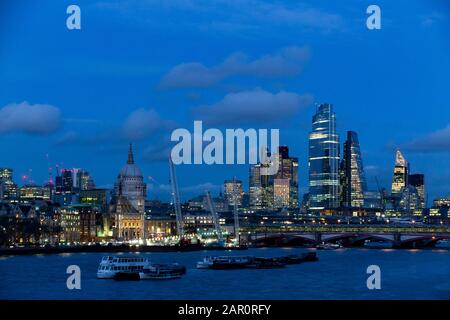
point(339, 274)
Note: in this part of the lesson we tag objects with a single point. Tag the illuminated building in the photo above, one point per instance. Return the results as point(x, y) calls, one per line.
point(78, 223)
point(409, 201)
point(255, 187)
point(160, 227)
point(232, 189)
point(353, 181)
point(440, 211)
point(70, 224)
point(418, 181)
point(288, 170)
point(281, 190)
point(128, 204)
point(401, 170)
point(73, 180)
point(95, 197)
point(262, 187)
point(64, 182)
point(323, 160)
point(30, 192)
point(8, 189)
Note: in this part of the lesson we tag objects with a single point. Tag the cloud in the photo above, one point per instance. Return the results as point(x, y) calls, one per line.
point(438, 141)
point(142, 123)
point(138, 125)
point(432, 19)
point(288, 62)
point(243, 18)
point(158, 151)
point(255, 106)
point(39, 119)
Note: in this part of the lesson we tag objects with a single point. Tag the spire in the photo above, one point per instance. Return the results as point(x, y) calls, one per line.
point(130, 155)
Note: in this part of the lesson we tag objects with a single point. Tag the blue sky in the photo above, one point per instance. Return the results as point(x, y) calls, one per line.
point(140, 68)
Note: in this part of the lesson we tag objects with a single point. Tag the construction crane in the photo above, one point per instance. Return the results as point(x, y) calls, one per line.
point(176, 199)
point(381, 191)
point(235, 212)
point(215, 217)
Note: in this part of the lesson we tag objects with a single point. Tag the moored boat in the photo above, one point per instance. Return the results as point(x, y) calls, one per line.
point(378, 244)
point(328, 246)
point(118, 267)
point(162, 272)
point(223, 262)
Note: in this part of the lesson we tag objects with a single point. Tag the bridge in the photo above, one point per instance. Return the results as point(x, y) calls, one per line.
point(406, 236)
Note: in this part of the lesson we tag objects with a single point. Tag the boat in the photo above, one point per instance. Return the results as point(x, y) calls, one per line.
point(162, 272)
point(265, 263)
point(328, 246)
point(296, 259)
point(118, 267)
point(377, 244)
point(224, 262)
point(444, 244)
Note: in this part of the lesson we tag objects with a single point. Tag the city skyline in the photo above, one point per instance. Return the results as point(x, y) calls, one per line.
point(92, 108)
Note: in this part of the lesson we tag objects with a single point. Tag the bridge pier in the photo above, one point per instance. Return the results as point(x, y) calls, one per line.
point(318, 237)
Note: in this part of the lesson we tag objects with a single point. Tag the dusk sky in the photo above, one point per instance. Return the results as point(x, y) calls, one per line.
point(139, 69)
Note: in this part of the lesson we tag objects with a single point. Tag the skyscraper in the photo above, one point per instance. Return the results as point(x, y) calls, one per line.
point(8, 189)
point(288, 170)
point(353, 181)
point(323, 161)
point(255, 192)
point(417, 180)
point(401, 170)
point(278, 190)
point(232, 189)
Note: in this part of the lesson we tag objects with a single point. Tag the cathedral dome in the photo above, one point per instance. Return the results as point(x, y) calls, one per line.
point(130, 169)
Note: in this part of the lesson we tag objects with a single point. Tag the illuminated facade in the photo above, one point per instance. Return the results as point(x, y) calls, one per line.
point(232, 189)
point(418, 181)
point(30, 192)
point(8, 189)
point(401, 170)
point(288, 170)
point(255, 186)
point(353, 181)
point(128, 205)
point(323, 160)
point(281, 191)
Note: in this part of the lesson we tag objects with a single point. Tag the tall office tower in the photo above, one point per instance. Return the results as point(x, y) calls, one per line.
point(353, 181)
point(323, 161)
point(417, 180)
point(400, 178)
point(64, 182)
point(84, 181)
point(232, 189)
point(281, 192)
point(287, 170)
point(261, 187)
point(8, 189)
point(255, 187)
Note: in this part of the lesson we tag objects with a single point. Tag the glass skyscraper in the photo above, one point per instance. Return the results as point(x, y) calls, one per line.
point(353, 181)
point(417, 180)
point(323, 160)
point(401, 171)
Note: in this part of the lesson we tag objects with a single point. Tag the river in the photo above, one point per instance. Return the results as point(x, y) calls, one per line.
point(339, 274)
